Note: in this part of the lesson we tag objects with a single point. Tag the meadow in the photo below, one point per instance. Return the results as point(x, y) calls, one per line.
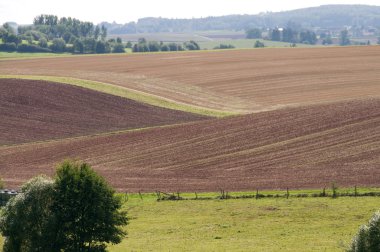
point(247, 43)
point(268, 224)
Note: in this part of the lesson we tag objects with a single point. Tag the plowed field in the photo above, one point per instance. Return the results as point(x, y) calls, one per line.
point(304, 147)
point(237, 80)
point(38, 110)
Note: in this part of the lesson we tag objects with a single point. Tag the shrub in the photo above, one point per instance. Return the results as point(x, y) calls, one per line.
point(59, 45)
point(368, 237)
point(258, 44)
point(118, 48)
point(8, 47)
point(27, 221)
point(31, 48)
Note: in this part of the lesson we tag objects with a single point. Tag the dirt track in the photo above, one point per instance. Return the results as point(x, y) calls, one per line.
point(239, 80)
point(306, 147)
point(38, 110)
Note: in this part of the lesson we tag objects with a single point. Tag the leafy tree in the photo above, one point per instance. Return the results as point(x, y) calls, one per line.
point(165, 48)
point(223, 46)
point(327, 40)
point(343, 38)
point(42, 42)
point(289, 35)
point(154, 46)
point(87, 211)
point(103, 32)
point(368, 237)
point(27, 221)
point(258, 44)
point(100, 47)
point(118, 48)
point(58, 45)
point(119, 40)
point(308, 37)
point(275, 35)
point(192, 45)
point(129, 44)
point(96, 32)
point(78, 46)
point(254, 33)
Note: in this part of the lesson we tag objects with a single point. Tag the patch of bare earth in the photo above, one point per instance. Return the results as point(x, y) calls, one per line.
point(234, 80)
point(39, 110)
point(304, 147)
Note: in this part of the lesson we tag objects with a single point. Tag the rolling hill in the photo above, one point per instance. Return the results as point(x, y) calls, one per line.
point(32, 110)
point(304, 147)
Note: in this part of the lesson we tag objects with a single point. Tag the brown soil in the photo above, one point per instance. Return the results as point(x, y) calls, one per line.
point(305, 147)
point(38, 110)
point(239, 80)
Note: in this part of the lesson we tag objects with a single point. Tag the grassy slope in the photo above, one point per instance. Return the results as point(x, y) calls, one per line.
point(246, 43)
point(127, 93)
point(296, 224)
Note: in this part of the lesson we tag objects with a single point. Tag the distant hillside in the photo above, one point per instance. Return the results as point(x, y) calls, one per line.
point(324, 17)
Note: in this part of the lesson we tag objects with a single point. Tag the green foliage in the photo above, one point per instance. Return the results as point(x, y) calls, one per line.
point(8, 47)
point(258, 44)
point(27, 220)
point(253, 33)
point(344, 38)
point(102, 47)
point(1, 184)
point(42, 42)
point(118, 48)
point(86, 209)
point(224, 46)
point(368, 237)
point(76, 212)
point(58, 45)
point(192, 45)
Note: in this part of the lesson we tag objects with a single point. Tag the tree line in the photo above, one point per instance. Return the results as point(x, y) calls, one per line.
point(153, 46)
point(52, 34)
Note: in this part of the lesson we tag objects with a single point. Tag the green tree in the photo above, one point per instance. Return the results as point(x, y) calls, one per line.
point(42, 42)
point(368, 237)
point(97, 32)
point(27, 221)
point(87, 211)
point(275, 35)
point(343, 38)
point(258, 44)
point(254, 33)
point(103, 32)
point(118, 48)
point(58, 45)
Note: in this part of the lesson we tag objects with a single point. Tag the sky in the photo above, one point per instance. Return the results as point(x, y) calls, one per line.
point(123, 11)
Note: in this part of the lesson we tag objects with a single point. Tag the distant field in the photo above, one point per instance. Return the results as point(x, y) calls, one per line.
point(305, 147)
point(33, 110)
point(246, 43)
point(233, 80)
point(165, 37)
point(7, 55)
point(296, 224)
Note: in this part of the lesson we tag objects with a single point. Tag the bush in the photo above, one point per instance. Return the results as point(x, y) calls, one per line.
point(118, 48)
point(31, 48)
point(258, 44)
point(27, 220)
point(368, 237)
point(223, 46)
point(8, 47)
point(76, 212)
point(1, 184)
point(59, 45)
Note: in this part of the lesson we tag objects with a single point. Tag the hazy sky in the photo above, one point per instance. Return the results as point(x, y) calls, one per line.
point(122, 11)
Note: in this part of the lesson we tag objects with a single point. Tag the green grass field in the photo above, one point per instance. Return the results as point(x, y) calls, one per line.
point(246, 43)
point(268, 224)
